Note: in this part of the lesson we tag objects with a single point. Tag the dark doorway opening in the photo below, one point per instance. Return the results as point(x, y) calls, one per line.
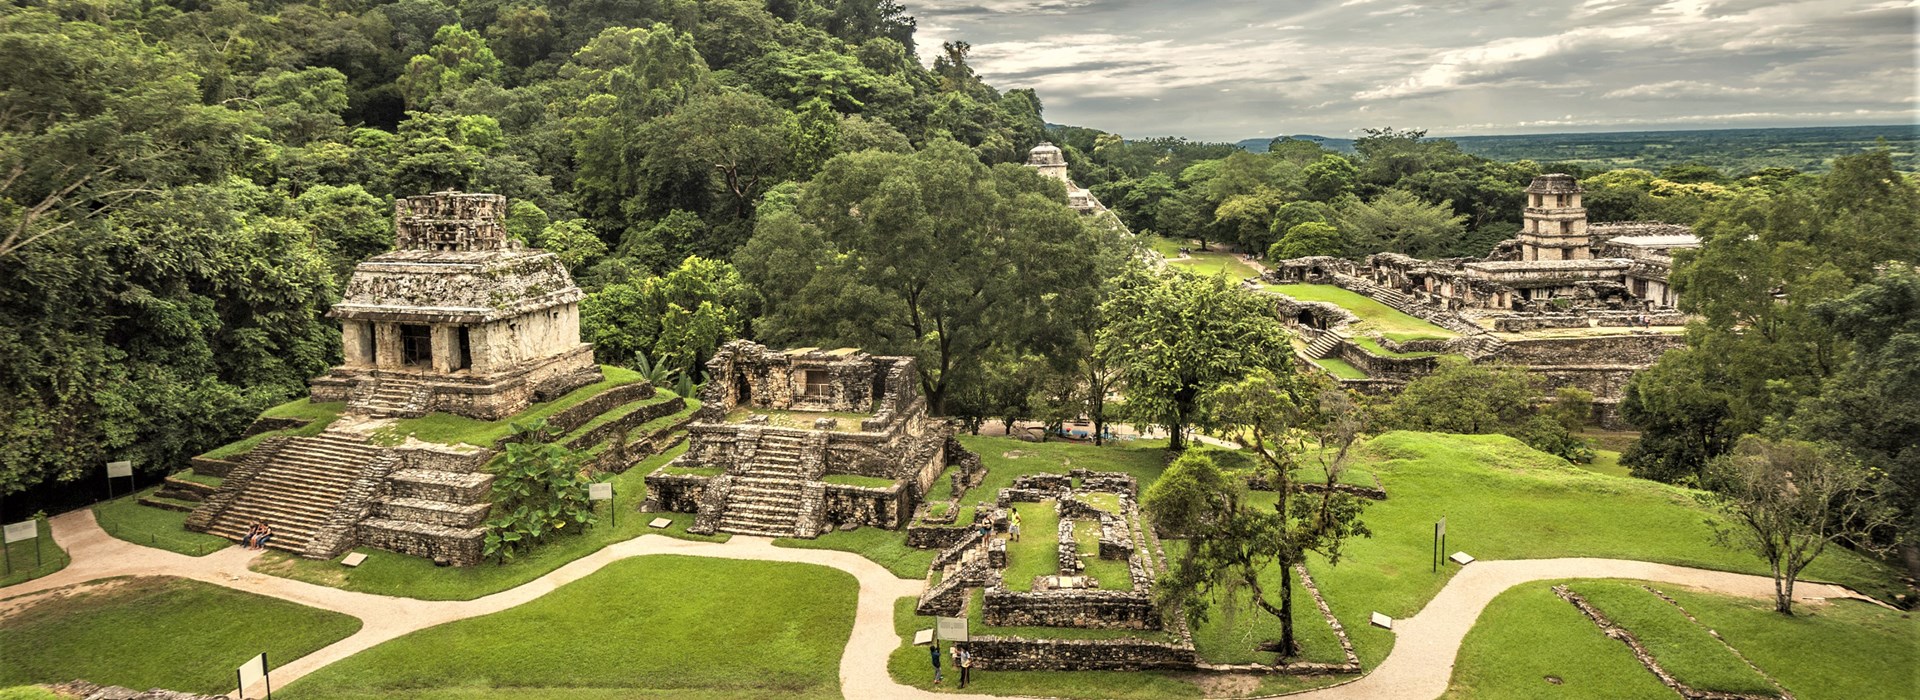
point(466, 349)
point(366, 343)
point(416, 346)
point(742, 391)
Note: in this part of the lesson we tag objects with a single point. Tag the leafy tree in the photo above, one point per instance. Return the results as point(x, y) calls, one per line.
point(458, 59)
point(931, 254)
point(1788, 500)
point(679, 319)
point(539, 491)
point(1682, 417)
point(1308, 239)
point(1398, 221)
point(1329, 178)
point(574, 241)
point(1462, 397)
point(1173, 339)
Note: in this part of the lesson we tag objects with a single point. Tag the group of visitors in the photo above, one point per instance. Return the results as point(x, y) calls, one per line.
point(962, 659)
point(258, 535)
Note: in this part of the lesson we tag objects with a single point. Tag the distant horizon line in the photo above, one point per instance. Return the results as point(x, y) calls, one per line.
point(1657, 130)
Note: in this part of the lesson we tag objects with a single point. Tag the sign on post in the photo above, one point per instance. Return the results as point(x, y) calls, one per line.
point(23, 530)
point(117, 470)
point(1439, 540)
point(254, 671)
point(952, 629)
point(603, 491)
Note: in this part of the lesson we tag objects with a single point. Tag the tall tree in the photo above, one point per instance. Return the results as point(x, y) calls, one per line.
point(1174, 338)
point(1788, 501)
point(931, 254)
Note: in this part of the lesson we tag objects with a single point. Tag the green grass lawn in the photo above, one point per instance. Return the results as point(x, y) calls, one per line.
point(318, 415)
point(1037, 552)
point(1374, 316)
point(1376, 348)
point(27, 692)
point(389, 573)
point(885, 547)
point(1680, 646)
point(659, 395)
point(1112, 574)
point(1607, 462)
point(158, 632)
point(655, 626)
point(1340, 368)
point(1108, 502)
point(448, 429)
point(27, 560)
point(1842, 650)
point(1527, 636)
point(198, 478)
point(126, 519)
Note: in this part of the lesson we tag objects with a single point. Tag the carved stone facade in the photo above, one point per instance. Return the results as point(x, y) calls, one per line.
point(457, 319)
point(774, 478)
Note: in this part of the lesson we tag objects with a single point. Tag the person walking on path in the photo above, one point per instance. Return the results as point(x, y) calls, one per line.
point(935, 648)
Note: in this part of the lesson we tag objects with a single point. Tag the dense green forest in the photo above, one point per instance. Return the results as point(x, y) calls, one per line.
point(1811, 149)
point(184, 185)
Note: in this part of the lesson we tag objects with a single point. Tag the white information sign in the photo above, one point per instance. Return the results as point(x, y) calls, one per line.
point(923, 637)
point(355, 559)
point(116, 470)
point(1382, 621)
point(23, 530)
point(1440, 528)
point(602, 491)
point(952, 629)
point(1461, 558)
point(253, 672)
point(659, 523)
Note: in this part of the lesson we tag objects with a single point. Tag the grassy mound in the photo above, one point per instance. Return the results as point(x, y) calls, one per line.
point(317, 415)
point(655, 626)
point(1845, 649)
point(158, 632)
point(1374, 316)
point(449, 429)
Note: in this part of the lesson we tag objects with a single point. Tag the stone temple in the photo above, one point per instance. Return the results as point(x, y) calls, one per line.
point(457, 319)
point(1048, 160)
point(793, 443)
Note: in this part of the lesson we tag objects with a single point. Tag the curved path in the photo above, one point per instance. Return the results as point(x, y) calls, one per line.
point(1419, 666)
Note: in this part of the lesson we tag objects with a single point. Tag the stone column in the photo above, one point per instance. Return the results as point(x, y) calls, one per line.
point(386, 345)
point(446, 347)
point(356, 343)
point(479, 349)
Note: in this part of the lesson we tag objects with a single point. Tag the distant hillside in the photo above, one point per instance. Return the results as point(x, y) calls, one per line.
point(1809, 149)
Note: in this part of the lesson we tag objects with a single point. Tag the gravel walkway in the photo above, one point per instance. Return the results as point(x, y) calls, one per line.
point(1419, 666)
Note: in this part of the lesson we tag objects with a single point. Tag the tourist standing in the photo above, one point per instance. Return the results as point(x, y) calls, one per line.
point(935, 648)
point(963, 659)
point(1013, 526)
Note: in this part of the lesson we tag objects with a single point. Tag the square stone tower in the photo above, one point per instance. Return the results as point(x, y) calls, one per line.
point(458, 318)
point(1554, 225)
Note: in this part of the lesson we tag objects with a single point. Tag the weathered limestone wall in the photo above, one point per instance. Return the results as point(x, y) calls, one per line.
point(1592, 319)
point(887, 508)
point(1020, 654)
point(1638, 350)
point(542, 333)
point(1085, 608)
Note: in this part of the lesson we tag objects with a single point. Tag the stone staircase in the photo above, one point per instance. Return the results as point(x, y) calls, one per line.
point(766, 495)
point(390, 397)
point(297, 488)
point(1323, 346)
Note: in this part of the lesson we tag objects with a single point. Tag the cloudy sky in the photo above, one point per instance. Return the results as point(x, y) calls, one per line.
point(1233, 69)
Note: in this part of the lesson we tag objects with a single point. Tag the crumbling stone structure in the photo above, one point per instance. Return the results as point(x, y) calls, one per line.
point(458, 318)
point(773, 476)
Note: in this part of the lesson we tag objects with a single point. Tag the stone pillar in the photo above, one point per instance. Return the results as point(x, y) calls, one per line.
point(386, 345)
point(477, 339)
point(446, 347)
point(356, 343)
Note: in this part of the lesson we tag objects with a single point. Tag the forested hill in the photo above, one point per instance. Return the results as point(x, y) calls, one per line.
point(185, 184)
point(1807, 149)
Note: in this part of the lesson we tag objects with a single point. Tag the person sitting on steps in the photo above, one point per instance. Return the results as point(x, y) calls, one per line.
point(266, 533)
point(253, 533)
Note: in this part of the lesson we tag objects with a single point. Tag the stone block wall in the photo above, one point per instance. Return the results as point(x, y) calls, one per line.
point(886, 508)
point(1637, 350)
point(1380, 366)
point(1084, 608)
point(458, 546)
point(674, 493)
point(1021, 654)
point(640, 416)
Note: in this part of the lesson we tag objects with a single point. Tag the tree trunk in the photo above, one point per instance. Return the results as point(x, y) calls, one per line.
point(1286, 612)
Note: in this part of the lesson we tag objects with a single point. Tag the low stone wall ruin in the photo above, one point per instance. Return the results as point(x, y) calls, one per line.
point(1022, 654)
point(885, 508)
point(1084, 608)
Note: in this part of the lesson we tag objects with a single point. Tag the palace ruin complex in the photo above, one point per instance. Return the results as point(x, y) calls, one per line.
point(794, 443)
point(1562, 299)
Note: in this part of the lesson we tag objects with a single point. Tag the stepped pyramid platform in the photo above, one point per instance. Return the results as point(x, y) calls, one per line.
point(794, 443)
